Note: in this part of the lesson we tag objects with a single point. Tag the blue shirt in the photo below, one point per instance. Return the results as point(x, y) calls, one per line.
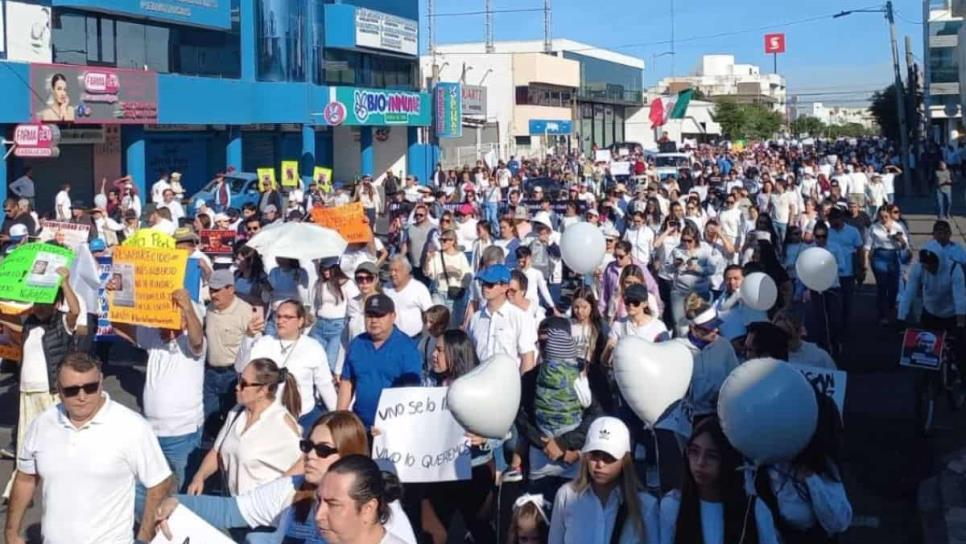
point(394, 364)
point(849, 241)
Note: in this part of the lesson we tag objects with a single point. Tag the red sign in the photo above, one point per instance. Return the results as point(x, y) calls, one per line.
point(334, 113)
point(775, 43)
point(36, 141)
point(93, 95)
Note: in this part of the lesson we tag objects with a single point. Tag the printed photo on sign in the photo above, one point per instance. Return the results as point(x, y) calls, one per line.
point(43, 271)
point(122, 280)
point(922, 349)
point(66, 234)
point(218, 242)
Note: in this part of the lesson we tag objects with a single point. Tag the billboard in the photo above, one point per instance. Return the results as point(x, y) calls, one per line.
point(93, 95)
point(36, 141)
point(378, 30)
point(775, 43)
point(474, 100)
point(448, 102)
point(205, 13)
point(28, 32)
point(560, 127)
point(376, 107)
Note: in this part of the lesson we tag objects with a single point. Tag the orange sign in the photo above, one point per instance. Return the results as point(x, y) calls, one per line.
point(349, 220)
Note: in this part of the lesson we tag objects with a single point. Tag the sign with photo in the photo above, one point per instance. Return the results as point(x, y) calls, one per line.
point(218, 242)
point(142, 282)
point(922, 349)
point(29, 273)
point(378, 30)
point(66, 234)
point(93, 95)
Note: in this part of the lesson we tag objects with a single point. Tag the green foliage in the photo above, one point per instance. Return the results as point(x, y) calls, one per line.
point(884, 110)
point(807, 125)
point(747, 121)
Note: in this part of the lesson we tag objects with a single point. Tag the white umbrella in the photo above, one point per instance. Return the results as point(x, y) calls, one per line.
point(304, 241)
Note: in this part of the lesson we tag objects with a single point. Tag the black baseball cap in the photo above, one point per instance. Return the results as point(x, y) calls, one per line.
point(379, 305)
point(635, 293)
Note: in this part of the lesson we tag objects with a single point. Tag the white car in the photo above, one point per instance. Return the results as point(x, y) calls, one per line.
point(669, 164)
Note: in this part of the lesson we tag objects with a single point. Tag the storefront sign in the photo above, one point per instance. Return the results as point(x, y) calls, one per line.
point(377, 30)
point(93, 95)
point(554, 128)
point(449, 110)
point(207, 13)
point(36, 141)
point(375, 107)
point(474, 100)
point(775, 43)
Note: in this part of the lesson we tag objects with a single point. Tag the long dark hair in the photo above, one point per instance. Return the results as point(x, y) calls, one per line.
point(460, 354)
point(822, 454)
point(738, 518)
point(334, 283)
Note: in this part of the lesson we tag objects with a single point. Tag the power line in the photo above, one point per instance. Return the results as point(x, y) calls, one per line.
point(470, 13)
point(866, 91)
point(910, 21)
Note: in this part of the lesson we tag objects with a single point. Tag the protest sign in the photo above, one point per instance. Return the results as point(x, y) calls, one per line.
point(419, 436)
point(29, 273)
point(144, 279)
point(11, 338)
point(104, 330)
point(290, 174)
point(602, 155)
point(187, 528)
point(66, 234)
point(149, 238)
point(266, 178)
point(827, 382)
point(348, 220)
point(218, 242)
point(620, 168)
point(922, 349)
point(322, 176)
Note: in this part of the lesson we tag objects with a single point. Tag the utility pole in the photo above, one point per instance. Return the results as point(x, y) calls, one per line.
point(547, 43)
point(900, 104)
point(912, 80)
point(672, 39)
point(488, 21)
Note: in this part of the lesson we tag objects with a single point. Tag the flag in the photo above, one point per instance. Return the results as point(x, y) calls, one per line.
point(680, 108)
point(670, 107)
point(657, 112)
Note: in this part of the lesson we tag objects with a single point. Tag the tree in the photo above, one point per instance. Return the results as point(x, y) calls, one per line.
point(848, 130)
point(807, 125)
point(884, 110)
point(744, 121)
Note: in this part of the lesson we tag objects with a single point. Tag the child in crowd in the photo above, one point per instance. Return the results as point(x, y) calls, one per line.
point(529, 524)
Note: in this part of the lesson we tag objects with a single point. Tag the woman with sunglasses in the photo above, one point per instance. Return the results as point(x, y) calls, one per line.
point(887, 247)
point(694, 265)
point(450, 274)
point(639, 322)
point(284, 509)
point(367, 281)
point(251, 281)
point(330, 303)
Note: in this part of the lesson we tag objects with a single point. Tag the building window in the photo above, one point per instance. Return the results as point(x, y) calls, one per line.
point(943, 65)
point(366, 70)
point(281, 28)
point(544, 95)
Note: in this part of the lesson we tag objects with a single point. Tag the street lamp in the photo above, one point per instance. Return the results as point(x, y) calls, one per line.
point(900, 93)
point(488, 71)
point(655, 56)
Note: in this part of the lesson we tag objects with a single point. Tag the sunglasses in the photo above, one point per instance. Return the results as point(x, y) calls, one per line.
point(632, 302)
point(419, 215)
point(322, 450)
point(74, 390)
point(687, 240)
point(365, 278)
point(488, 285)
point(243, 384)
point(820, 236)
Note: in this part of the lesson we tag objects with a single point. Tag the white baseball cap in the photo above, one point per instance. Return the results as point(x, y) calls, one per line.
point(609, 435)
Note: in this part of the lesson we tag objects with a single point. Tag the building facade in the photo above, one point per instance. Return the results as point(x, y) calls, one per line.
point(719, 76)
point(145, 88)
point(834, 115)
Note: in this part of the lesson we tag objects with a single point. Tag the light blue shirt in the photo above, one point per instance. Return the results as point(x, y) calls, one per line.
point(849, 241)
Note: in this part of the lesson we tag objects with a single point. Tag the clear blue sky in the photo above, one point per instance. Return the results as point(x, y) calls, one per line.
point(846, 54)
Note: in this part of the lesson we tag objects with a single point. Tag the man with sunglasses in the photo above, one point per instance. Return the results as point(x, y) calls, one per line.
point(88, 452)
point(500, 327)
point(416, 238)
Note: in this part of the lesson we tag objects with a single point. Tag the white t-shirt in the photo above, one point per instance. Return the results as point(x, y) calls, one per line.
point(652, 331)
point(33, 366)
point(88, 474)
point(62, 206)
point(331, 307)
point(304, 358)
point(786, 202)
point(352, 258)
point(642, 243)
point(173, 385)
point(410, 304)
point(259, 454)
point(889, 182)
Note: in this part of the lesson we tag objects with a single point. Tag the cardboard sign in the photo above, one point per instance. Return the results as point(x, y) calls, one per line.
point(218, 242)
point(104, 330)
point(620, 168)
point(348, 220)
point(290, 174)
point(827, 382)
point(145, 278)
point(602, 155)
point(266, 178)
point(323, 177)
point(149, 238)
point(63, 233)
point(922, 349)
point(29, 273)
point(187, 528)
point(419, 436)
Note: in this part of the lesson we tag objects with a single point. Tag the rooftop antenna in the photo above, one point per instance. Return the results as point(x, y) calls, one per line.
point(547, 45)
point(488, 8)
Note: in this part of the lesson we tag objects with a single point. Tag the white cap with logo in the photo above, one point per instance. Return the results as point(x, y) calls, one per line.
point(609, 435)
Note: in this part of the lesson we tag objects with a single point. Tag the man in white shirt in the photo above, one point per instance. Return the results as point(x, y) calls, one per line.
point(172, 204)
point(500, 327)
point(87, 453)
point(158, 189)
point(62, 203)
point(411, 298)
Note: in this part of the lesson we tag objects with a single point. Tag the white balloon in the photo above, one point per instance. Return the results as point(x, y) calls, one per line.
point(767, 410)
point(485, 400)
point(817, 269)
point(758, 291)
point(582, 247)
point(652, 377)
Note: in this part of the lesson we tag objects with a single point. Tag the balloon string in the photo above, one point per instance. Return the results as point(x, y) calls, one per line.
point(753, 469)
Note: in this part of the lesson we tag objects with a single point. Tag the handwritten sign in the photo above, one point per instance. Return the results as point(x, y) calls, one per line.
point(146, 278)
point(187, 528)
point(827, 382)
point(419, 435)
point(66, 234)
point(149, 238)
point(922, 349)
point(266, 178)
point(348, 220)
point(29, 273)
point(218, 242)
point(602, 155)
point(620, 168)
point(290, 174)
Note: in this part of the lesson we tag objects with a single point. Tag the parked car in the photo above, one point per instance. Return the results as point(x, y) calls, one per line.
point(670, 164)
point(243, 186)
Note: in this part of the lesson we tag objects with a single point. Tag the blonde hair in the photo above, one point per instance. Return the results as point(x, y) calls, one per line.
point(629, 487)
point(695, 305)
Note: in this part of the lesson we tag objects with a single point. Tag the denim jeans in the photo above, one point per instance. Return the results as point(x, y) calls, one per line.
point(177, 451)
point(223, 513)
point(944, 204)
point(885, 268)
point(780, 229)
point(219, 397)
point(490, 214)
point(329, 333)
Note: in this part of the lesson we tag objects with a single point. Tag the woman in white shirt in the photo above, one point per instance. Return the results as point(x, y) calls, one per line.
point(451, 275)
point(586, 509)
point(330, 305)
point(712, 506)
point(887, 246)
point(260, 438)
point(639, 321)
point(302, 355)
point(369, 197)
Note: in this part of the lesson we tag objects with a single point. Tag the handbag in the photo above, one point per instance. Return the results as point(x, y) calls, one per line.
point(452, 293)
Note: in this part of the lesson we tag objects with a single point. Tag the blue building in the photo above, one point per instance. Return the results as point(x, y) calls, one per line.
point(145, 87)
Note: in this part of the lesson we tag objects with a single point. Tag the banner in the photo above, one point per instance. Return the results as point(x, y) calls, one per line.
point(379, 107)
point(922, 349)
point(602, 155)
point(419, 436)
point(144, 279)
point(448, 101)
point(187, 528)
point(323, 177)
point(149, 238)
point(93, 95)
point(290, 174)
point(827, 382)
point(620, 168)
point(348, 220)
point(266, 178)
point(66, 234)
point(29, 273)
point(218, 242)
point(104, 330)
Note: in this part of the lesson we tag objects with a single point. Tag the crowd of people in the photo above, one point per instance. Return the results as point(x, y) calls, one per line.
point(258, 413)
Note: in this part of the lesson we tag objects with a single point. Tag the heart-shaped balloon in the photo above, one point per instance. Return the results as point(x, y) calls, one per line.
point(767, 410)
point(652, 377)
point(486, 399)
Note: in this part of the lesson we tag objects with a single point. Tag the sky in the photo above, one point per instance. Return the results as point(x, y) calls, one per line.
point(848, 56)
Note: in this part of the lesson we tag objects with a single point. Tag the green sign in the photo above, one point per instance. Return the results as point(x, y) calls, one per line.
point(377, 107)
point(29, 273)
